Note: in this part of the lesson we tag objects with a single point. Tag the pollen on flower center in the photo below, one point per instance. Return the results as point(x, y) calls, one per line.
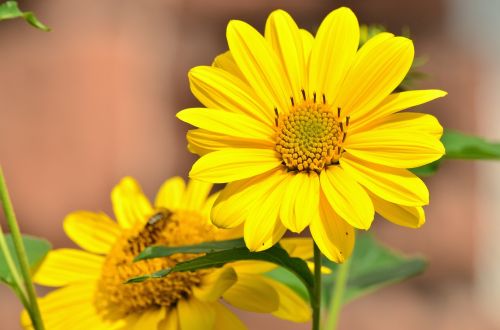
point(310, 135)
point(114, 299)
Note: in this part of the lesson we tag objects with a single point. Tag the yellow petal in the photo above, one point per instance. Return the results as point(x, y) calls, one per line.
point(378, 68)
point(292, 307)
point(334, 237)
point(397, 102)
point(225, 319)
point(300, 200)
point(214, 284)
point(223, 122)
point(253, 293)
point(226, 62)
point(347, 197)
point(414, 122)
point(129, 203)
point(149, 319)
point(195, 315)
point(307, 43)
point(201, 142)
point(398, 144)
point(333, 51)
point(170, 193)
point(170, 322)
point(219, 89)
point(252, 266)
point(407, 216)
point(71, 308)
point(263, 227)
point(65, 266)
point(195, 195)
point(234, 164)
point(394, 185)
point(299, 247)
point(94, 232)
point(283, 34)
point(237, 198)
point(259, 64)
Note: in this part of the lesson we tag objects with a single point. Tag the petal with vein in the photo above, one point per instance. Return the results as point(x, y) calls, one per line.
point(225, 319)
point(201, 142)
point(333, 51)
point(406, 216)
point(194, 314)
point(349, 200)
point(334, 236)
point(170, 193)
point(219, 89)
point(259, 64)
point(253, 293)
point(214, 284)
point(66, 266)
point(397, 102)
point(195, 195)
point(226, 62)
point(378, 68)
point(234, 164)
point(284, 36)
point(129, 203)
point(223, 122)
point(398, 186)
point(94, 232)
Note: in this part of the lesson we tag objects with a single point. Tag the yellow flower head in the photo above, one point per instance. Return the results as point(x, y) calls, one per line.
point(307, 131)
point(93, 294)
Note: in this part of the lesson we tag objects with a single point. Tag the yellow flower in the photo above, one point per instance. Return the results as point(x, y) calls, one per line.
point(94, 296)
point(308, 132)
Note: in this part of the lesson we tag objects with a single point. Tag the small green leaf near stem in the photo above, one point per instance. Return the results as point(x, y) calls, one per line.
point(20, 250)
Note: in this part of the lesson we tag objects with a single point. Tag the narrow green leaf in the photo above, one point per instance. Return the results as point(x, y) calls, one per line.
point(36, 250)
point(275, 254)
point(206, 247)
point(462, 146)
point(10, 10)
point(373, 266)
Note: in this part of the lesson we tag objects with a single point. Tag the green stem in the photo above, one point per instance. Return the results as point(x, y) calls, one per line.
point(316, 298)
point(21, 254)
point(16, 278)
point(338, 295)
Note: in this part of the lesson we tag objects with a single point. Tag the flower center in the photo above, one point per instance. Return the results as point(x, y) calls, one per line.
point(115, 300)
point(310, 135)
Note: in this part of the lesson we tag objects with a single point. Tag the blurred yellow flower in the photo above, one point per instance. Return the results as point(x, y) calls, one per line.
point(307, 132)
point(94, 296)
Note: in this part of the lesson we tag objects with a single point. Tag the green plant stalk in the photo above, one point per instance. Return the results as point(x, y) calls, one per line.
point(16, 278)
point(10, 216)
point(316, 297)
point(338, 295)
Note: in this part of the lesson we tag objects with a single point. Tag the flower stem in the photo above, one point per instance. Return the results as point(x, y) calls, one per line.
point(316, 299)
point(10, 216)
point(338, 295)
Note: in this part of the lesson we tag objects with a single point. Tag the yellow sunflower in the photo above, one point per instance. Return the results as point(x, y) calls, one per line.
point(93, 294)
point(307, 131)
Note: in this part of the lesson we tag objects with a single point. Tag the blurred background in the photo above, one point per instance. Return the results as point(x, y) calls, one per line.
point(94, 100)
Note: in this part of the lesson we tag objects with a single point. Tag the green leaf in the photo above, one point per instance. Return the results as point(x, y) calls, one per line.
point(205, 247)
point(373, 266)
point(10, 10)
point(275, 254)
point(427, 170)
point(462, 146)
point(36, 250)
point(290, 280)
